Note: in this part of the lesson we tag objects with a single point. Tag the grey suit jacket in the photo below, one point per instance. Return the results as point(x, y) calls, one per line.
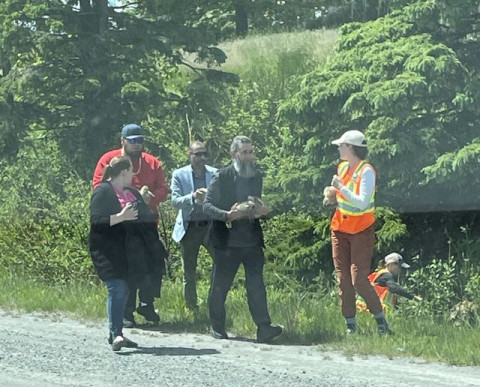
point(182, 197)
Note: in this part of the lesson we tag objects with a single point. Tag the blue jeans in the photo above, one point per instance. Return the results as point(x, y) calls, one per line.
point(117, 297)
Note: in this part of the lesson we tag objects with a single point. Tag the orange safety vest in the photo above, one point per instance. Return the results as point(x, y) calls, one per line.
point(347, 217)
point(386, 297)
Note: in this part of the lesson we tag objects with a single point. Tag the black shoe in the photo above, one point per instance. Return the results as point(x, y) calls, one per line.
point(351, 329)
point(267, 333)
point(382, 327)
point(129, 343)
point(384, 330)
point(219, 334)
point(129, 320)
point(148, 312)
point(121, 341)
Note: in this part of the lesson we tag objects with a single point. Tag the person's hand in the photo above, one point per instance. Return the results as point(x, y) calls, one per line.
point(418, 298)
point(199, 195)
point(235, 214)
point(128, 213)
point(329, 196)
point(262, 210)
point(336, 182)
point(146, 194)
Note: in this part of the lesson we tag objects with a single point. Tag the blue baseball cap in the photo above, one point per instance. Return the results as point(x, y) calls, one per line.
point(132, 131)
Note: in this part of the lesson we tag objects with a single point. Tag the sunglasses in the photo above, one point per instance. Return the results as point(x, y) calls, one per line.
point(136, 140)
point(200, 154)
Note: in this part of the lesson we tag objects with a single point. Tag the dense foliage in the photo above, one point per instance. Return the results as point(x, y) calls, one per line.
point(44, 216)
point(76, 71)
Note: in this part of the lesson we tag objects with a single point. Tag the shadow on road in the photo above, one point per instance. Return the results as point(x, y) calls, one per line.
point(239, 338)
point(203, 328)
point(174, 327)
point(170, 351)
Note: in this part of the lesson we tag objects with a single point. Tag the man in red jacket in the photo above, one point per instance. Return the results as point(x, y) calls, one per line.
point(147, 172)
point(147, 169)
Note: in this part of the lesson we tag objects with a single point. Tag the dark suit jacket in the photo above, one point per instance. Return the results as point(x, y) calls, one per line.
point(221, 196)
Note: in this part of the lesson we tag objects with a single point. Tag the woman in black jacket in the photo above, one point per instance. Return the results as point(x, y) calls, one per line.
point(124, 242)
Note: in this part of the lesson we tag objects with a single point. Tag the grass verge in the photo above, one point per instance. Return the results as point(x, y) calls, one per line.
point(308, 319)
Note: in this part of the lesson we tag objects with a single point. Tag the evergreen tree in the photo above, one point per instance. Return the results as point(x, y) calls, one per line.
point(76, 71)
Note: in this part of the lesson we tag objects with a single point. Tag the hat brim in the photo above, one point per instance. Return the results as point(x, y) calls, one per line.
point(134, 136)
point(340, 141)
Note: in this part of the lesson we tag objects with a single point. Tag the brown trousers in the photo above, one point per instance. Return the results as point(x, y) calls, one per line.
point(352, 256)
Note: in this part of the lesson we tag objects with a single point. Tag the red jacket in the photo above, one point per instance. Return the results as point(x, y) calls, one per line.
point(147, 171)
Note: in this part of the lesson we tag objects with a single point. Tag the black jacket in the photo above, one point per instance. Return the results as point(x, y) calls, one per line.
point(130, 250)
point(386, 280)
point(221, 196)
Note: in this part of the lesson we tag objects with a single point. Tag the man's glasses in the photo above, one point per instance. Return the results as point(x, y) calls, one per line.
point(200, 154)
point(247, 152)
point(136, 140)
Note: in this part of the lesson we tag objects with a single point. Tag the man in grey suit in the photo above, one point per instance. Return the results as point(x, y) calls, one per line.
point(189, 186)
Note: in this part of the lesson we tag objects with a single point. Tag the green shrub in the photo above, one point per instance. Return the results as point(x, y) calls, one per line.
point(446, 287)
point(44, 219)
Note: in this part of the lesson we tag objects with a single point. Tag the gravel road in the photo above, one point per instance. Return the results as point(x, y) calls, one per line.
point(52, 350)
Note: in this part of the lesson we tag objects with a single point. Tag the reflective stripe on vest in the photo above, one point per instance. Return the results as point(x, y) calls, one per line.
point(353, 184)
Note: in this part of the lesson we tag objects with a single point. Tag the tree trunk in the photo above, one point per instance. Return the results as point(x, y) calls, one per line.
point(241, 19)
point(101, 8)
point(86, 26)
point(85, 5)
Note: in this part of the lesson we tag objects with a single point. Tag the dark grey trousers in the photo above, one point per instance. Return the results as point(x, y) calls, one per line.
point(224, 270)
point(190, 246)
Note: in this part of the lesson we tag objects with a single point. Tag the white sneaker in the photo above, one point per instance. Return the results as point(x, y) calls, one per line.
point(122, 341)
point(118, 343)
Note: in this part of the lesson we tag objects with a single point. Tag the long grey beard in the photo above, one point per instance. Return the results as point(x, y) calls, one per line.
point(245, 168)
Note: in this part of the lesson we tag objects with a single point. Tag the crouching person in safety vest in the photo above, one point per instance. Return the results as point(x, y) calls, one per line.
point(384, 283)
point(353, 229)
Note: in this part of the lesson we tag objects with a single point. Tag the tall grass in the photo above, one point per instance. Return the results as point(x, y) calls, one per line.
point(307, 318)
point(273, 64)
point(81, 299)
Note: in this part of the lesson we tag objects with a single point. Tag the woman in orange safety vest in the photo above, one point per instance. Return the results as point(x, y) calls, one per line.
point(353, 229)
